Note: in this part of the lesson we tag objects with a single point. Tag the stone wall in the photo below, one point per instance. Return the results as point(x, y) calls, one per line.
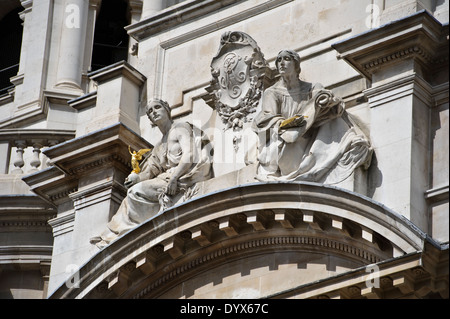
point(64, 130)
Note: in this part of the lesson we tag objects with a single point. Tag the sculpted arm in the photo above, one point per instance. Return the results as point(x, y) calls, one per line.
point(149, 170)
point(184, 137)
point(305, 120)
point(269, 118)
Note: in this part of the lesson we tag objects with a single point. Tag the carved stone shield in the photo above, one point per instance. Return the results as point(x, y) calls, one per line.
point(237, 84)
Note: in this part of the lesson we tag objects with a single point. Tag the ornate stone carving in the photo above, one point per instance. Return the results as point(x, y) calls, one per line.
point(136, 157)
point(304, 131)
point(169, 173)
point(237, 69)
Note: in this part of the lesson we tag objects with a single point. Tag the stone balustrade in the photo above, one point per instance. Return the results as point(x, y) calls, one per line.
point(21, 149)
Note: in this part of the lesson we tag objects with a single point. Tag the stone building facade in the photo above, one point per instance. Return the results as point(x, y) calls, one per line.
point(76, 77)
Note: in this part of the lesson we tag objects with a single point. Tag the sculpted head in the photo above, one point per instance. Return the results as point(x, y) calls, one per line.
point(288, 61)
point(158, 110)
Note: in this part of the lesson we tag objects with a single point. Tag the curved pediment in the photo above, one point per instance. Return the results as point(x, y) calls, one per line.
point(269, 229)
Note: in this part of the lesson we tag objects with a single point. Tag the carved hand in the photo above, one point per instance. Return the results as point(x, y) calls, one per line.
point(290, 135)
point(297, 120)
point(292, 128)
point(132, 179)
point(172, 187)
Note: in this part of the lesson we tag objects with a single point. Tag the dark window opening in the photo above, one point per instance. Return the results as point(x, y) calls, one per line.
point(11, 30)
point(110, 37)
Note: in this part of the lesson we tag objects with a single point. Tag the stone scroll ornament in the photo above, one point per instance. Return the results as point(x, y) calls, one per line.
point(238, 70)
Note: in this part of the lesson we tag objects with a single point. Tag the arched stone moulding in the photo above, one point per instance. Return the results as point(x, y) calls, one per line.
point(238, 222)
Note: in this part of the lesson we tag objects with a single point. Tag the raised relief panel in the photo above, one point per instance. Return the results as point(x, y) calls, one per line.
point(237, 69)
point(239, 76)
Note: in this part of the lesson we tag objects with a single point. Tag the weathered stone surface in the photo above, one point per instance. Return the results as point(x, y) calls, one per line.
point(65, 132)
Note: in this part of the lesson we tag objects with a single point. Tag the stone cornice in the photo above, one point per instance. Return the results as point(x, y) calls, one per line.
point(36, 134)
point(24, 204)
point(51, 184)
point(63, 223)
point(33, 111)
point(241, 221)
point(395, 89)
point(116, 70)
point(84, 101)
point(397, 278)
point(253, 247)
point(192, 10)
point(27, 5)
point(88, 152)
point(25, 255)
point(100, 150)
point(412, 84)
point(59, 96)
point(418, 36)
point(185, 11)
point(97, 193)
point(24, 213)
point(437, 194)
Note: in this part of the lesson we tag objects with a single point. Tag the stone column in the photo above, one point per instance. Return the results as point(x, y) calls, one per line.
point(34, 56)
point(398, 60)
point(118, 96)
point(26, 4)
point(85, 184)
point(133, 45)
point(71, 52)
point(19, 162)
point(150, 7)
point(400, 131)
point(94, 10)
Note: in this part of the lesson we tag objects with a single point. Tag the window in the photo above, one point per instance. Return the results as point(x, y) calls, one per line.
point(11, 41)
point(110, 37)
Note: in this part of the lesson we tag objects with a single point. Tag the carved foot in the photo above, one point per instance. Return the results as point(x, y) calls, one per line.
point(98, 241)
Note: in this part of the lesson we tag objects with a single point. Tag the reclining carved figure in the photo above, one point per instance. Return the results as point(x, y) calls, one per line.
point(180, 160)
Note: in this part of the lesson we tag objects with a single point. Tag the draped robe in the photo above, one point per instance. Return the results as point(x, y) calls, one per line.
point(326, 148)
point(146, 198)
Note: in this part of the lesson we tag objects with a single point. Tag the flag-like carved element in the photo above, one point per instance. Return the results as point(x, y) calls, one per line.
point(136, 157)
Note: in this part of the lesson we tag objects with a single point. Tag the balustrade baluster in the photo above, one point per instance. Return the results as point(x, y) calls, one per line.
point(36, 161)
point(19, 162)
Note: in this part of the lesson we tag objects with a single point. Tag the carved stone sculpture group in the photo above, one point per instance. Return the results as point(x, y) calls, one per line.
point(304, 132)
point(177, 163)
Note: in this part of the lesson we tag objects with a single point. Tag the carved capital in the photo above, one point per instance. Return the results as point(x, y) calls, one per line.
point(419, 37)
